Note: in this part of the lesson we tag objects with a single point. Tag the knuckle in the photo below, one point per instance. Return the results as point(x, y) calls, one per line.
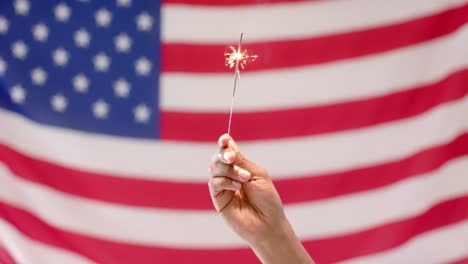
point(210, 183)
point(237, 171)
point(219, 184)
point(219, 156)
point(222, 168)
point(213, 182)
point(212, 168)
point(262, 171)
point(241, 160)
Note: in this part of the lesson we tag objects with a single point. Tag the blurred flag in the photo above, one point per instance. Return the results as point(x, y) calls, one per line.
point(110, 110)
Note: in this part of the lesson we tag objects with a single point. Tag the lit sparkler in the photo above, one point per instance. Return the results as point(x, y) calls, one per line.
point(237, 58)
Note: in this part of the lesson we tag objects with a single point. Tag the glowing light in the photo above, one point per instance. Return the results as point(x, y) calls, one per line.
point(240, 57)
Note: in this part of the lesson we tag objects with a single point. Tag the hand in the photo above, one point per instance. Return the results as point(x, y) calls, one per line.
point(244, 195)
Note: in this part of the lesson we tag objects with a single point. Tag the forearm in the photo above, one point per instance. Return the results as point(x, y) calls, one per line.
point(281, 246)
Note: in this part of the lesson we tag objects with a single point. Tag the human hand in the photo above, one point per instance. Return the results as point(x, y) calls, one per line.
point(244, 195)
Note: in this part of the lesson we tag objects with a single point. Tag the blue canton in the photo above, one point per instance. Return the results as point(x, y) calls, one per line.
point(85, 65)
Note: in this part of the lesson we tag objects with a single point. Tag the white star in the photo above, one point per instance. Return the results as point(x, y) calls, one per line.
point(22, 7)
point(80, 83)
point(122, 42)
point(18, 94)
point(100, 109)
point(121, 88)
point(144, 22)
point(60, 57)
point(142, 66)
point(103, 17)
point(59, 103)
point(38, 76)
point(40, 32)
point(62, 12)
point(141, 113)
point(124, 3)
point(19, 49)
point(3, 66)
point(101, 62)
point(4, 25)
point(82, 38)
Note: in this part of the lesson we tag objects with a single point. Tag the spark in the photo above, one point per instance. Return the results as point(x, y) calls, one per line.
point(238, 57)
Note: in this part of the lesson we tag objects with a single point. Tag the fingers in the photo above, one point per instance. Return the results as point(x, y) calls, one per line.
point(222, 191)
point(243, 162)
point(219, 184)
point(223, 140)
point(226, 141)
point(222, 166)
point(230, 171)
point(230, 154)
point(225, 156)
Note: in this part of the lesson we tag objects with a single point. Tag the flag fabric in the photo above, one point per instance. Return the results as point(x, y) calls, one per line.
point(110, 112)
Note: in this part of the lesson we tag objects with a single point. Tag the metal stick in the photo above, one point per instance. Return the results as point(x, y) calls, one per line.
point(236, 76)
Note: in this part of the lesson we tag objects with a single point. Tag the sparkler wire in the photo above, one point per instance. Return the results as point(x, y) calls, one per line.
point(236, 76)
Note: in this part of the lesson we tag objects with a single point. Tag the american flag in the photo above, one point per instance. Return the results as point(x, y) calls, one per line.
point(110, 112)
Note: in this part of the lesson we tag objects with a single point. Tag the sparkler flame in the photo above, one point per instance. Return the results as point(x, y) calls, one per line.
point(238, 56)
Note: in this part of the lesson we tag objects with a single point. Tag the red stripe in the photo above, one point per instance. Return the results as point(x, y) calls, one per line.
point(164, 194)
point(182, 57)
point(391, 235)
point(310, 188)
point(185, 126)
point(327, 250)
point(460, 261)
point(109, 188)
point(5, 257)
point(230, 2)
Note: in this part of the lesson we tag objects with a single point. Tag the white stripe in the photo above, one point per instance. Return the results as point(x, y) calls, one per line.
point(344, 80)
point(205, 229)
point(440, 246)
point(192, 24)
point(26, 251)
point(179, 161)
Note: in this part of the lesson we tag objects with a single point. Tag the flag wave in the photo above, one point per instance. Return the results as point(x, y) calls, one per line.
point(358, 110)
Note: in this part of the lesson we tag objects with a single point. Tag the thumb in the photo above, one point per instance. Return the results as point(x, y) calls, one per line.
point(242, 161)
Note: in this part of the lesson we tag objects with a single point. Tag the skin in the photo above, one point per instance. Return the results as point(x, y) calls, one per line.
point(245, 196)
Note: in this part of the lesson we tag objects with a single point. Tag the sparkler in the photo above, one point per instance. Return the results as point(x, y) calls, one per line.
point(236, 58)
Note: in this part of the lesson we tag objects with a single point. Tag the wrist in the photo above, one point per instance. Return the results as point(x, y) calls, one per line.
point(280, 245)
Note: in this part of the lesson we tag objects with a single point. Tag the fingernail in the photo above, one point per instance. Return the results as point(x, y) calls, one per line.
point(244, 174)
point(228, 156)
point(221, 139)
point(236, 184)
